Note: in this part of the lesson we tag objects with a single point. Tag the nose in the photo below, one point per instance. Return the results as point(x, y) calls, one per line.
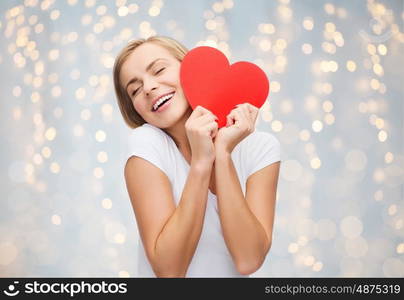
point(149, 85)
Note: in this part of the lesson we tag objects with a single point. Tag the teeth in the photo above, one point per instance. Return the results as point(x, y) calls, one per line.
point(162, 99)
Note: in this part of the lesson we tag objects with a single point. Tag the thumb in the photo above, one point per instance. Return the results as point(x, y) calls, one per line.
point(230, 120)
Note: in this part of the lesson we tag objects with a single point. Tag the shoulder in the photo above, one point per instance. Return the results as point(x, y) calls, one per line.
point(148, 140)
point(146, 130)
point(150, 143)
point(147, 134)
point(260, 150)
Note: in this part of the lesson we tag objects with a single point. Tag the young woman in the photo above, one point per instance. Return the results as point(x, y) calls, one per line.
point(203, 198)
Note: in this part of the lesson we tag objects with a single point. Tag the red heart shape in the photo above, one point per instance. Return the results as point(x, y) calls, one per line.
point(209, 80)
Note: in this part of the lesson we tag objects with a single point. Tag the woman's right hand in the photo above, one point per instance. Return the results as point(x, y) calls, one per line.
point(201, 128)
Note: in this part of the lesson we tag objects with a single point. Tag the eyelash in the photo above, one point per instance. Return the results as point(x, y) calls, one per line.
point(135, 91)
point(160, 70)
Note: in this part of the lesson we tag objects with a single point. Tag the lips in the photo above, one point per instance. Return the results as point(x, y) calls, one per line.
point(161, 99)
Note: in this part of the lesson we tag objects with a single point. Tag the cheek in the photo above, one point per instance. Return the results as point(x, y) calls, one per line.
point(139, 106)
point(173, 77)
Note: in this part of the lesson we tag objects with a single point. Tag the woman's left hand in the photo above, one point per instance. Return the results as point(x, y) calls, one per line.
point(240, 123)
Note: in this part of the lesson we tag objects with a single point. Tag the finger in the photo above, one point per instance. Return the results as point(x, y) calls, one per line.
point(242, 113)
point(241, 121)
point(195, 113)
point(230, 119)
point(248, 107)
point(211, 129)
point(241, 106)
point(252, 113)
point(239, 118)
point(255, 114)
point(253, 110)
point(244, 109)
point(207, 118)
point(215, 130)
point(199, 111)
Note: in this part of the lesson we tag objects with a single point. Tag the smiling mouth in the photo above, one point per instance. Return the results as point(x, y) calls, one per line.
point(161, 102)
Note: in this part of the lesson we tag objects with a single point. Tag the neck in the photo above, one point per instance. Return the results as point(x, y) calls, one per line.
point(178, 133)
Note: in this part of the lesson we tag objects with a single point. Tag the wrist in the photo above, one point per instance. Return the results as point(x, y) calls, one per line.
point(202, 167)
point(222, 152)
point(221, 148)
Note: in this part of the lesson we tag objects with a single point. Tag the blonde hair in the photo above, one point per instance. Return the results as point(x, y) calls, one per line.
point(128, 111)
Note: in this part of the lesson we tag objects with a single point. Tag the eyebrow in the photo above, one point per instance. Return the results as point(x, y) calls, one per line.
point(134, 79)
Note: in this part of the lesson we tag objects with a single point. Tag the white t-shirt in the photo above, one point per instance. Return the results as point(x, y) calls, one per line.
point(211, 258)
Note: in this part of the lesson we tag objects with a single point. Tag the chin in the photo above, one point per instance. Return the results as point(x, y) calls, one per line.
point(167, 124)
point(180, 115)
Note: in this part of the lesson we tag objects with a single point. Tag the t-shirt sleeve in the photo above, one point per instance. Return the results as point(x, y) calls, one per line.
point(263, 150)
point(148, 144)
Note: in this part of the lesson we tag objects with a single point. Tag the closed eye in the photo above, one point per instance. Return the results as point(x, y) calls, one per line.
point(135, 91)
point(160, 70)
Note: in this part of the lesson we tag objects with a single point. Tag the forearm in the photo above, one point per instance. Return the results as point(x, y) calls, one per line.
point(244, 235)
point(179, 238)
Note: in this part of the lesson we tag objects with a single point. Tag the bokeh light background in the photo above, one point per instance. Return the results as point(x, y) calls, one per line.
point(336, 105)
